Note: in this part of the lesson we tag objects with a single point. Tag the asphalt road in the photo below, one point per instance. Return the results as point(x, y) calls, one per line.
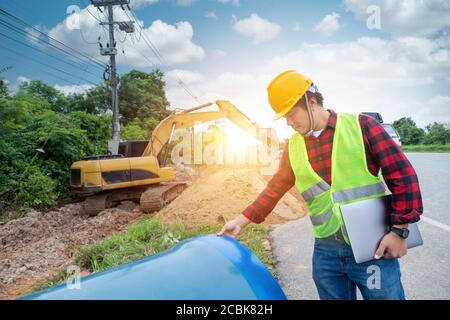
point(425, 270)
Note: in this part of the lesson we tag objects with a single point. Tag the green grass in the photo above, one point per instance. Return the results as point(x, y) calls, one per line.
point(149, 237)
point(56, 279)
point(427, 148)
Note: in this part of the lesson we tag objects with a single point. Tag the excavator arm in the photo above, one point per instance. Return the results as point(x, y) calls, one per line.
point(188, 118)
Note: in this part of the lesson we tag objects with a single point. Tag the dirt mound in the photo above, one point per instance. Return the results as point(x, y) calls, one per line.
point(40, 243)
point(219, 194)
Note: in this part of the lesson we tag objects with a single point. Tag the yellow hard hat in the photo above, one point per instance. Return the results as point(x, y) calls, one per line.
point(285, 90)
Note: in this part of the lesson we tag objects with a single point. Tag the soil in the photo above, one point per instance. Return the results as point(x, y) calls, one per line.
point(220, 194)
point(39, 245)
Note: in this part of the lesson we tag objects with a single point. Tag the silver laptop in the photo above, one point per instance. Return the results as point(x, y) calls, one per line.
point(367, 222)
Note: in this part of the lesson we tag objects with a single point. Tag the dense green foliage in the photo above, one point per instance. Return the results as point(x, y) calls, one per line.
point(410, 134)
point(43, 131)
point(37, 147)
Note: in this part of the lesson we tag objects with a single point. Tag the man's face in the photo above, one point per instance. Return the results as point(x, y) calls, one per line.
point(297, 118)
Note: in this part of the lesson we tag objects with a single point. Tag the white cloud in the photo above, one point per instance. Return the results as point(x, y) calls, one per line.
point(406, 17)
point(444, 40)
point(188, 77)
point(141, 3)
point(73, 89)
point(369, 74)
point(210, 14)
point(21, 79)
point(436, 109)
point(234, 2)
point(329, 24)
point(185, 3)
point(218, 54)
point(174, 42)
point(257, 28)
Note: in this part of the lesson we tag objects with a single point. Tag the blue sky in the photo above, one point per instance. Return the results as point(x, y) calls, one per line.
point(232, 49)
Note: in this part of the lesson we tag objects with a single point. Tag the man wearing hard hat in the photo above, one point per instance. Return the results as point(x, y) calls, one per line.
point(331, 159)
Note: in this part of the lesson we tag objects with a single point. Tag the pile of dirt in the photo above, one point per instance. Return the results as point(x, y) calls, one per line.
point(219, 194)
point(38, 245)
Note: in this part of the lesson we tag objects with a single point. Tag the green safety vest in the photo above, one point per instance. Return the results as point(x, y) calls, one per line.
point(351, 179)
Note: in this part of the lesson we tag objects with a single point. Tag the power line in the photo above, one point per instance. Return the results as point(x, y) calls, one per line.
point(87, 9)
point(82, 2)
point(45, 64)
point(135, 18)
point(38, 40)
point(41, 70)
point(145, 57)
point(161, 59)
point(46, 53)
point(35, 38)
point(94, 61)
point(14, 28)
point(82, 37)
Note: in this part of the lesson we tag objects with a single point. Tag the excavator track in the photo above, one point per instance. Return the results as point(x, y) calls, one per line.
point(107, 199)
point(157, 197)
point(96, 203)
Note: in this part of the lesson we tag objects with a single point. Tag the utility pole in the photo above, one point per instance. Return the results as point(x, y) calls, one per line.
point(111, 51)
point(114, 95)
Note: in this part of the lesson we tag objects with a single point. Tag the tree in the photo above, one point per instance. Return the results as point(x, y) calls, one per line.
point(437, 133)
point(39, 90)
point(96, 100)
point(3, 89)
point(408, 131)
point(142, 96)
point(28, 126)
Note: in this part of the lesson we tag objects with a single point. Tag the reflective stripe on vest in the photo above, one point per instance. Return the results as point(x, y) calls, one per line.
point(358, 193)
point(315, 190)
point(321, 218)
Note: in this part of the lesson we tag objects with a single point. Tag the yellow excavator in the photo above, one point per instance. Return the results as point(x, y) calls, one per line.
point(107, 180)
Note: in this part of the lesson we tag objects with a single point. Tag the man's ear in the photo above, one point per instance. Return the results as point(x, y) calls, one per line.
point(313, 102)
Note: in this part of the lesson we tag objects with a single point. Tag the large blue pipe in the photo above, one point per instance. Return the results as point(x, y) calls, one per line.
point(203, 267)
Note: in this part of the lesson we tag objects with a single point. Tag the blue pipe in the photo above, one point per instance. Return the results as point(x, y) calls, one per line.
point(207, 267)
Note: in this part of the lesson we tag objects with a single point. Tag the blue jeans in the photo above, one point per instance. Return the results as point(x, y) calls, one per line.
point(336, 274)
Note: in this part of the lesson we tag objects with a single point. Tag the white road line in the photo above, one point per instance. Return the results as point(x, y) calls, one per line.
point(436, 223)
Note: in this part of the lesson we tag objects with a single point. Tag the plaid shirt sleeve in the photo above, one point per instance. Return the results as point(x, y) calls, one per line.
point(398, 173)
point(281, 182)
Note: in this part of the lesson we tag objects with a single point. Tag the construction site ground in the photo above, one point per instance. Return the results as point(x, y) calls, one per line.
point(39, 245)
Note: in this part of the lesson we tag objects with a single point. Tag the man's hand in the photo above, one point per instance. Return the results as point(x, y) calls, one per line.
point(233, 228)
point(391, 246)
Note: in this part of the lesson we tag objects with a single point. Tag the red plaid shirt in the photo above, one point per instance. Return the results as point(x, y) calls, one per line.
point(381, 152)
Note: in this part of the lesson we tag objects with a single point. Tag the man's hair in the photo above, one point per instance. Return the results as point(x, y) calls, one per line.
point(316, 95)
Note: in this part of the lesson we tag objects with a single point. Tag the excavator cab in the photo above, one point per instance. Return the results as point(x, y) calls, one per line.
point(132, 148)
